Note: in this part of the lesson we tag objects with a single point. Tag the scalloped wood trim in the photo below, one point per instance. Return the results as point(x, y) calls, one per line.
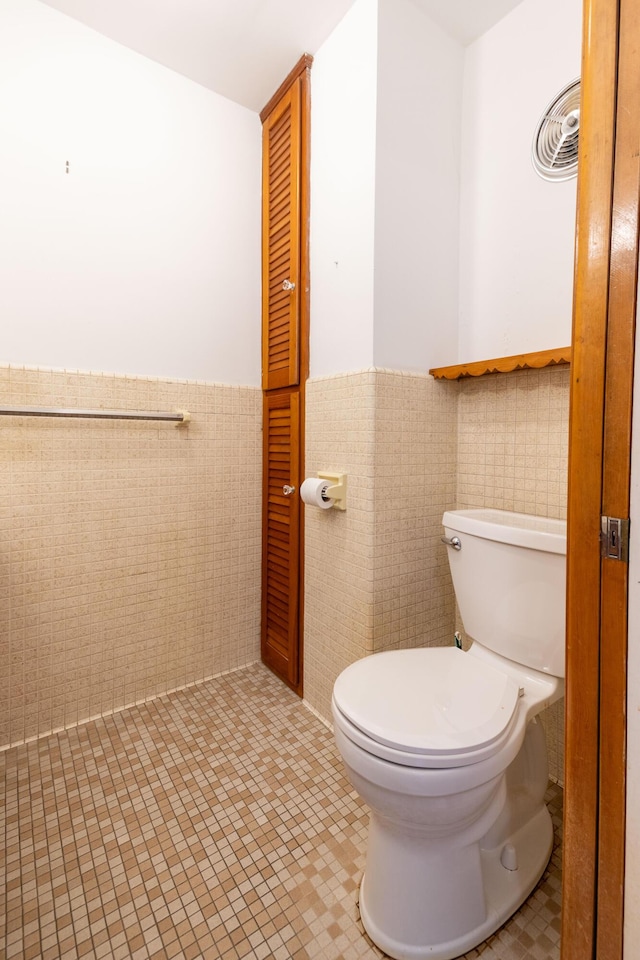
point(522, 361)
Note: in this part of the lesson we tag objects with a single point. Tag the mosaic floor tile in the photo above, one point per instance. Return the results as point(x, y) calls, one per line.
point(215, 822)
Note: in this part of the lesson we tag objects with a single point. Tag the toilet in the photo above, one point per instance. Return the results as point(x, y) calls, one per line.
point(445, 747)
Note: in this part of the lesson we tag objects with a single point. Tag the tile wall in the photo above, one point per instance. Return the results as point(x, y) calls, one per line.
point(375, 578)
point(339, 560)
point(414, 483)
point(513, 433)
point(129, 552)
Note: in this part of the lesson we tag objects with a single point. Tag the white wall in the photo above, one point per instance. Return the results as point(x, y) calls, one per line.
point(426, 147)
point(343, 162)
point(384, 191)
point(417, 190)
point(517, 230)
point(632, 864)
point(145, 258)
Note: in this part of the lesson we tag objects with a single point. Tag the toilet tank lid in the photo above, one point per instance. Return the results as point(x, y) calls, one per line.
point(519, 529)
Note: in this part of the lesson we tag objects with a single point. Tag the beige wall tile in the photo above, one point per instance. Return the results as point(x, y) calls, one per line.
point(339, 546)
point(375, 579)
point(415, 480)
point(129, 552)
point(513, 432)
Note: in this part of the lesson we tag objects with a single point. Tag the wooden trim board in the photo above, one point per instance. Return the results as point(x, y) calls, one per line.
point(520, 361)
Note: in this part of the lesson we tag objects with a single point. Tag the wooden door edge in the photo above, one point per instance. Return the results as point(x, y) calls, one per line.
point(582, 700)
point(621, 330)
point(305, 314)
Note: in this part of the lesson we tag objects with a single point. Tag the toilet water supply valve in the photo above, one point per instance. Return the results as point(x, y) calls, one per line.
point(509, 857)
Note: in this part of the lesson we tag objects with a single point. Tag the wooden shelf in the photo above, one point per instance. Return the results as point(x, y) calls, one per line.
point(522, 361)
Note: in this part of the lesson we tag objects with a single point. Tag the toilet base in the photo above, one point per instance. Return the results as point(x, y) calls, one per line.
point(504, 891)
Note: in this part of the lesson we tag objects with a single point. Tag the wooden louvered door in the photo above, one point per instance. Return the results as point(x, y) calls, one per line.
point(285, 365)
point(281, 243)
point(280, 560)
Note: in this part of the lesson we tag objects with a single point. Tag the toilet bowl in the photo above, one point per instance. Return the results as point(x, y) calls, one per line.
point(444, 746)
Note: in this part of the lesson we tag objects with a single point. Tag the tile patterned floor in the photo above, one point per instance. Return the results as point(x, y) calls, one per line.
point(215, 823)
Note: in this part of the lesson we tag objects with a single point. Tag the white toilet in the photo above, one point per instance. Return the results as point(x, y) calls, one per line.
point(445, 748)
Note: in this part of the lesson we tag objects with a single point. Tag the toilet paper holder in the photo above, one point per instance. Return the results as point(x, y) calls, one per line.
point(338, 489)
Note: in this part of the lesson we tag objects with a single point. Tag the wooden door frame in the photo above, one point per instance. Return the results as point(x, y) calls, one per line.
point(605, 296)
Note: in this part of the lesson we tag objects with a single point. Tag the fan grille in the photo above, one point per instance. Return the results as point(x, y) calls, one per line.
point(555, 144)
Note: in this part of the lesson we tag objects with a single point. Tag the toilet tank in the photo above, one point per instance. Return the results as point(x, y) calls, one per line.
point(509, 578)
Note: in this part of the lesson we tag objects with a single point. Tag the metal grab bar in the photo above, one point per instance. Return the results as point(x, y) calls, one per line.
point(179, 416)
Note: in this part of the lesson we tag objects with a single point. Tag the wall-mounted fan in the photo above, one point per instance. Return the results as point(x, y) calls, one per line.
point(555, 144)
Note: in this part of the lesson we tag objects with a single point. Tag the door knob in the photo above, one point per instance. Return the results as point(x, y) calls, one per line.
point(287, 490)
point(288, 285)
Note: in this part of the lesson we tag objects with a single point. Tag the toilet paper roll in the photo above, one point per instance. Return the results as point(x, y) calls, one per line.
point(313, 492)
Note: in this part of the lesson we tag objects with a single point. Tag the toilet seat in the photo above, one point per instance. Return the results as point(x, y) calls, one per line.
point(429, 707)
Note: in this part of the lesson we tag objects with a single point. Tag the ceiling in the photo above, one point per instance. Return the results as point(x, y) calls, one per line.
point(466, 20)
point(243, 49)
